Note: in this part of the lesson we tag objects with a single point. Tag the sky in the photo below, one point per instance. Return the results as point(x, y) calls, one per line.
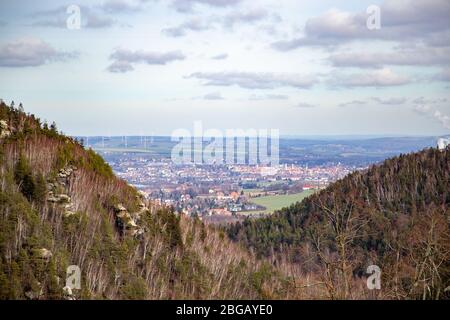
point(149, 67)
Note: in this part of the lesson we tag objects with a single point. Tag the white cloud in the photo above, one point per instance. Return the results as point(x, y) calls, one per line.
point(188, 5)
point(121, 6)
point(378, 78)
point(411, 57)
point(444, 75)
point(425, 101)
point(269, 97)
point(304, 105)
point(437, 115)
point(31, 52)
point(120, 67)
point(252, 80)
point(352, 103)
point(400, 21)
point(227, 21)
point(221, 56)
point(390, 101)
point(246, 17)
point(195, 24)
point(124, 58)
point(213, 96)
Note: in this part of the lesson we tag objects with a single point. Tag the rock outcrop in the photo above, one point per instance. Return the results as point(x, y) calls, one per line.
point(58, 191)
point(4, 129)
point(129, 222)
point(44, 253)
point(126, 221)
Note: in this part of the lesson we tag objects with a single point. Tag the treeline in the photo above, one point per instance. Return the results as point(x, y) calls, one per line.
point(394, 215)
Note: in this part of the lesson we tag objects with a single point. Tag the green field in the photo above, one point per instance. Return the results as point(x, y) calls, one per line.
point(272, 203)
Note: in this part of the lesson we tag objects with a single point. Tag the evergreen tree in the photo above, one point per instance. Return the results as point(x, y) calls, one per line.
point(24, 178)
point(53, 128)
point(40, 189)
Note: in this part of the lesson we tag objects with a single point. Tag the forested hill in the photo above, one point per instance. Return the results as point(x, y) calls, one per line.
point(61, 205)
point(394, 215)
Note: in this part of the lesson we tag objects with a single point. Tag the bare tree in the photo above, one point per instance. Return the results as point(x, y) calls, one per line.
point(345, 226)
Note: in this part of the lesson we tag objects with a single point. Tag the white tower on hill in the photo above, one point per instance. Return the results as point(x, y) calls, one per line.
point(443, 142)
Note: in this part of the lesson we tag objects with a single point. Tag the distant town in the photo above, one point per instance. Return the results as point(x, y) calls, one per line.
point(222, 190)
point(225, 193)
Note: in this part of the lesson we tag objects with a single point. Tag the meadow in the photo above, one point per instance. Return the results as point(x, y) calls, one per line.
point(273, 203)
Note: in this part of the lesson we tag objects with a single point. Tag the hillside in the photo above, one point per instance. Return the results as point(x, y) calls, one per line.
point(61, 205)
point(395, 215)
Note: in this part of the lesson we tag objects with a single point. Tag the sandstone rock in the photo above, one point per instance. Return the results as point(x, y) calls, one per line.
point(131, 224)
point(142, 211)
point(63, 198)
point(3, 124)
point(67, 290)
point(68, 213)
point(44, 253)
point(141, 205)
point(52, 199)
point(59, 198)
point(119, 208)
point(4, 129)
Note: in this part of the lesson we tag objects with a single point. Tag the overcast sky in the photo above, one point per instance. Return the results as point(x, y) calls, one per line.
point(303, 67)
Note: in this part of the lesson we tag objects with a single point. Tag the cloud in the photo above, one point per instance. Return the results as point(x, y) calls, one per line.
point(425, 101)
point(213, 96)
point(31, 52)
point(252, 80)
point(378, 78)
point(444, 75)
point(227, 21)
point(188, 5)
point(439, 39)
point(305, 105)
point(121, 6)
point(120, 67)
point(244, 17)
point(195, 24)
point(400, 21)
point(352, 103)
point(221, 56)
point(437, 115)
point(377, 100)
point(95, 21)
point(327, 29)
point(123, 59)
point(390, 101)
point(415, 57)
point(268, 97)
